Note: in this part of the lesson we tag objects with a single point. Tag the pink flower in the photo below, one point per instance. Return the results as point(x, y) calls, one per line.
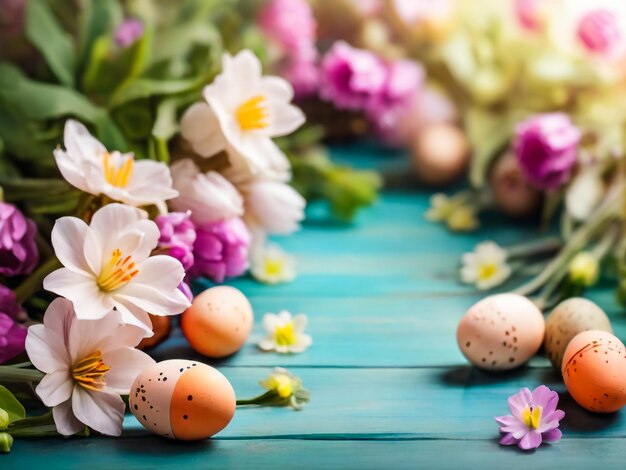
point(221, 249)
point(8, 303)
point(545, 147)
point(534, 418)
point(350, 77)
point(12, 338)
point(290, 23)
point(178, 233)
point(128, 32)
point(599, 31)
point(529, 14)
point(303, 76)
point(18, 251)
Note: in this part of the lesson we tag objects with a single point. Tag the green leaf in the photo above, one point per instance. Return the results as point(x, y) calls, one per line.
point(99, 18)
point(166, 124)
point(55, 45)
point(146, 87)
point(11, 405)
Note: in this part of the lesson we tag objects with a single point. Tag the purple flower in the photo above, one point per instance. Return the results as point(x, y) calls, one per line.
point(18, 251)
point(221, 249)
point(128, 32)
point(351, 77)
point(599, 31)
point(185, 289)
point(9, 305)
point(12, 338)
point(290, 23)
point(545, 147)
point(178, 234)
point(534, 418)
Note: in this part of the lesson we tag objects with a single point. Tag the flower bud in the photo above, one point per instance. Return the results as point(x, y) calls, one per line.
point(4, 419)
point(6, 441)
point(583, 269)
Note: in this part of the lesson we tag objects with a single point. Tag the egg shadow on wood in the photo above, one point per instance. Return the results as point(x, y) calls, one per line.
point(580, 420)
point(151, 444)
point(467, 376)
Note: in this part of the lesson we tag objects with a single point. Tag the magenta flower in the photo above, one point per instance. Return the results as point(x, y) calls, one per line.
point(290, 23)
point(599, 31)
point(350, 77)
point(18, 251)
point(529, 14)
point(534, 418)
point(178, 234)
point(221, 249)
point(9, 305)
point(545, 147)
point(303, 76)
point(128, 32)
point(12, 338)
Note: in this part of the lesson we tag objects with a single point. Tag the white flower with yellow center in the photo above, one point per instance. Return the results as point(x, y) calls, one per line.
point(271, 265)
point(107, 266)
point(441, 206)
point(88, 365)
point(284, 333)
point(243, 112)
point(486, 266)
point(288, 387)
point(87, 165)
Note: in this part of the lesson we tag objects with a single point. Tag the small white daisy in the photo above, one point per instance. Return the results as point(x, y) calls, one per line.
point(285, 334)
point(486, 266)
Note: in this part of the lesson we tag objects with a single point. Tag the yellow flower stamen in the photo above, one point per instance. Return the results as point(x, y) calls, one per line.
point(117, 272)
point(532, 417)
point(281, 384)
point(89, 372)
point(117, 175)
point(285, 335)
point(273, 267)
point(486, 271)
point(252, 114)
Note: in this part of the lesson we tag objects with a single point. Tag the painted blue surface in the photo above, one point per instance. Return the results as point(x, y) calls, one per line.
point(389, 386)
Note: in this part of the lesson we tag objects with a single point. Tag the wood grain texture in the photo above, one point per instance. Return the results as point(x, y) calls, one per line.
point(389, 387)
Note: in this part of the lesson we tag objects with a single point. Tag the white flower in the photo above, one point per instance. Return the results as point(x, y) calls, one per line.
point(486, 266)
point(275, 206)
point(88, 365)
point(245, 110)
point(209, 196)
point(441, 206)
point(584, 194)
point(270, 264)
point(108, 267)
point(87, 165)
point(284, 333)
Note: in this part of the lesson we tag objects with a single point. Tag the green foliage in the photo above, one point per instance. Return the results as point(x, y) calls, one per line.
point(11, 405)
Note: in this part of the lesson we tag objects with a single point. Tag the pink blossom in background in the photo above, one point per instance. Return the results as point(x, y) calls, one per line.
point(178, 234)
point(529, 14)
point(12, 338)
point(18, 251)
point(303, 76)
point(128, 32)
point(350, 77)
point(599, 31)
point(8, 303)
point(418, 11)
point(221, 249)
point(290, 23)
point(546, 148)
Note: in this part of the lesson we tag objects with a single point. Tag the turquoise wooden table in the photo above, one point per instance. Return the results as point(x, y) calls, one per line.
point(389, 386)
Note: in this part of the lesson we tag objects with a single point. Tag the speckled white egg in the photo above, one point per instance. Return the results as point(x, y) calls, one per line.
point(570, 317)
point(501, 332)
point(181, 399)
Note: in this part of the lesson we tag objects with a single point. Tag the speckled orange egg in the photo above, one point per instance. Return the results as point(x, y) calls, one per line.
point(501, 332)
point(182, 399)
point(594, 371)
point(218, 322)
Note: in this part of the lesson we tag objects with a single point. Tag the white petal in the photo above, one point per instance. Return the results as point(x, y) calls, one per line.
point(86, 336)
point(284, 317)
point(80, 143)
point(156, 302)
point(68, 239)
point(285, 118)
point(46, 351)
point(150, 183)
point(270, 322)
point(160, 272)
point(101, 411)
point(71, 171)
point(267, 344)
point(55, 388)
point(302, 343)
point(64, 419)
point(126, 364)
point(114, 219)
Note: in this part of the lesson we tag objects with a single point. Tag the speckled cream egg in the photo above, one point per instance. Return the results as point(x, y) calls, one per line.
point(501, 332)
point(218, 322)
point(594, 371)
point(570, 317)
point(181, 399)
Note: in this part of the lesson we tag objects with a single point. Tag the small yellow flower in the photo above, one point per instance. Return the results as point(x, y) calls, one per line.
point(486, 266)
point(441, 206)
point(463, 219)
point(285, 334)
point(288, 387)
point(583, 269)
point(271, 265)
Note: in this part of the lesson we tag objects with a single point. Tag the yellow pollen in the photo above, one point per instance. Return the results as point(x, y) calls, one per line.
point(532, 417)
point(273, 267)
point(117, 272)
point(89, 372)
point(284, 335)
point(486, 271)
point(252, 114)
point(117, 175)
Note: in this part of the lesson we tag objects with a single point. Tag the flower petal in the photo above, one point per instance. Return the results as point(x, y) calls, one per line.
point(126, 364)
point(508, 440)
point(68, 239)
point(101, 411)
point(270, 322)
point(267, 344)
point(55, 388)
point(71, 170)
point(64, 419)
point(531, 440)
point(552, 435)
point(46, 351)
point(300, 322)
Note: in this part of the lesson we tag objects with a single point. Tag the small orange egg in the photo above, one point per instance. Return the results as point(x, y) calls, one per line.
point(218, 322)
point(594, 366)
point(181, 399)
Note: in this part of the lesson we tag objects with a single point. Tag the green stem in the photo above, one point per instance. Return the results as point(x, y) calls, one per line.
point(535, 248)
point(33, 283)
point(258, 400)
point(17, 374)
